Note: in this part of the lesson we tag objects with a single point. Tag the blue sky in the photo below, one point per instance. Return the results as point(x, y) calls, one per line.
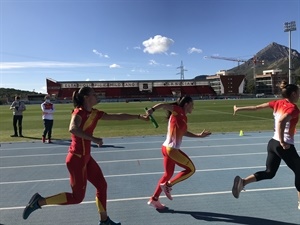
point(133, 39)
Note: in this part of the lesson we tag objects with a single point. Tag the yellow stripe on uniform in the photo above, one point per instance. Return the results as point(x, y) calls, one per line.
point(177, 156)
point(90, 120)
point(56, 199)
point(87, 124)
point(99, 206)
point(181, 159)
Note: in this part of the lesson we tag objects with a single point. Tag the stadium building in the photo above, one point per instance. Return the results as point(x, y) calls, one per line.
point(132, 90)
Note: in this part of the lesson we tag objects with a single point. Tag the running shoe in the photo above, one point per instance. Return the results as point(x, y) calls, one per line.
point(108, 222)
point(167, 190)
point(156, 204)
point(32, 205)
point(237, 186)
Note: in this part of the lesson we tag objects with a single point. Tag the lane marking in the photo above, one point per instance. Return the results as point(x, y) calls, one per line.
point(176, 196)
point(135, 174)
point(134, 160)
point(137, 150)
point(56, 146)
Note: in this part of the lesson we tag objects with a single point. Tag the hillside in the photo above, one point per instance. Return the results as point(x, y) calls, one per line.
point(8, 94)
point(274, 56)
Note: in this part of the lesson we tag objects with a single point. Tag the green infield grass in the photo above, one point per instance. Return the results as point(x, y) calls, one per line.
point(214, 115)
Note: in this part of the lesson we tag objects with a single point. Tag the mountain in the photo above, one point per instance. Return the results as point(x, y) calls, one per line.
point(273, 56)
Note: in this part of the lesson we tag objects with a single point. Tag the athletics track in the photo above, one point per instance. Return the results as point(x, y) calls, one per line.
point(132, 167)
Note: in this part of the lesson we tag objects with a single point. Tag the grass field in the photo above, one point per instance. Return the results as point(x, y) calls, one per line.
point(215, 115)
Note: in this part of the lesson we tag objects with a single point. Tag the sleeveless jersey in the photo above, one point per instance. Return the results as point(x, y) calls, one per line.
point(89, 121)
point(177, 127)
point(281, 107)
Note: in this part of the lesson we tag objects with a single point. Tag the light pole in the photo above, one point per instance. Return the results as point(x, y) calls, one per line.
point(289, 27)
point(254, 74)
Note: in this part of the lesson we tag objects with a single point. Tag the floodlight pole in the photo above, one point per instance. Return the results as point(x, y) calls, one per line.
point(289, 27)
point(254, 74)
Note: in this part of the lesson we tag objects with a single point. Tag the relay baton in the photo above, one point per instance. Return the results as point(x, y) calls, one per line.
point(152, 119)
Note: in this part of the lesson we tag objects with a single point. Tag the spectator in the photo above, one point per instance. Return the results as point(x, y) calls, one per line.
point(18, 107)
point(48, 110)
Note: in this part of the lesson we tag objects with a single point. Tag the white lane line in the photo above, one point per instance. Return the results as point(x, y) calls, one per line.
point(100, 151)
point(176, 196)
point(137, 150)
point(133, 160)
point(211, 138)
point(134, 174)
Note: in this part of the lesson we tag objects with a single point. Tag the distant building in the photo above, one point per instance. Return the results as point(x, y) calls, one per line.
point(147, 89)
point(36, 98)
point(227, 84)
point(268, 82)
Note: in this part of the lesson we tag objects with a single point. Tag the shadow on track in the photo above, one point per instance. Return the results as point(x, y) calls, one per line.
point(219, 217)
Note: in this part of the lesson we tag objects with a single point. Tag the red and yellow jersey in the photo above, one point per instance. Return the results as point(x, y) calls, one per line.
point(281, 107)
point(177, 127)
point(89, 121)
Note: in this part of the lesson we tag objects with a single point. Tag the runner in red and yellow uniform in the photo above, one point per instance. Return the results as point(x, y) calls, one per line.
point(82, 167)
point(281, 146)
point(172, 155)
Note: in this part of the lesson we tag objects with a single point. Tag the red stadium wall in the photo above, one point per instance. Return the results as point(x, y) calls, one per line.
point(64, 90)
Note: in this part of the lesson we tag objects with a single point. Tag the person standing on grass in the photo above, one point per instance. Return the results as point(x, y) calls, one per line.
point(81, 165)
point(172, 155)
point(48, 109)
point(18, 108)
point(281, 146)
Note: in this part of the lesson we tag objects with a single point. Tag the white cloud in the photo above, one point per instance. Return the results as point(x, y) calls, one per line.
point(157, 45)
point(194, 50)
point(114, 66)
point(173, 53)
point(87, 79)
point(45, 64)
point(152, 62)
point(100, 54)
point(139, 70)
point(137, 48)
